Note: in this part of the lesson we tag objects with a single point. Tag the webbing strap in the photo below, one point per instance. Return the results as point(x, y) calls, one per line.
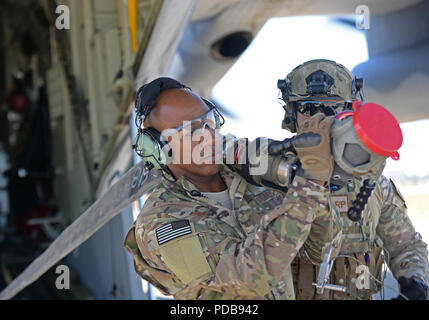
point(340, 277)
point(352, 275)
point(305, 279)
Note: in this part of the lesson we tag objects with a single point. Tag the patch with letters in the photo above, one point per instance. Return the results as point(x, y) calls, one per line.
point(341, 202)
point(172, 231)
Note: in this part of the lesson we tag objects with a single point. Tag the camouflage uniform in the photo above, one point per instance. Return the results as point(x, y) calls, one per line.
point(243, 253)
point(386, 229)
point(385, 226)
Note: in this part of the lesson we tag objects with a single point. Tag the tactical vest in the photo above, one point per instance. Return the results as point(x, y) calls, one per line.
point(359, 243)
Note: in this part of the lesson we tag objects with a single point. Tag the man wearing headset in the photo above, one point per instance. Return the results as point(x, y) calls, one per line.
point(206, 233)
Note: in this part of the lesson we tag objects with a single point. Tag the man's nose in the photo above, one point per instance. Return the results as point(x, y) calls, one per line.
point(208, 136)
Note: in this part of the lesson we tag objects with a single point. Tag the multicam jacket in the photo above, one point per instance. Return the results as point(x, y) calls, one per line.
point(387, 234)
point(191, 247)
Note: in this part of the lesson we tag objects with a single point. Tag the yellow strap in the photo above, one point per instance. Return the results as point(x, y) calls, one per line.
point(133, 18)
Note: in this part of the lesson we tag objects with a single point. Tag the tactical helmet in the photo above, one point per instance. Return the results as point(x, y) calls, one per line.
point(318, 80)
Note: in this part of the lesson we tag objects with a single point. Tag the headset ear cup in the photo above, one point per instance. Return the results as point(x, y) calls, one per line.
point(289, 121)
point(152, 148)
point(288, 124)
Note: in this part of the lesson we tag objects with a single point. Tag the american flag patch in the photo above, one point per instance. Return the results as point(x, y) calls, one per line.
point(172, 231)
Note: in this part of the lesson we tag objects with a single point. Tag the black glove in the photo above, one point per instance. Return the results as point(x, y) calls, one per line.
point(413, 289)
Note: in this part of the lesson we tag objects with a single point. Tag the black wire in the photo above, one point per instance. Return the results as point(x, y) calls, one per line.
point(170, 173)
point(362, 95)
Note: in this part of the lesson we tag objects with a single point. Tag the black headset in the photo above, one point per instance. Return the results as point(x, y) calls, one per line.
point(149, 144)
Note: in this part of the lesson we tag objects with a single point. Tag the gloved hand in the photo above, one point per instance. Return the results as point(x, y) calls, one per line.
point(313, 146)
point(413, 289)
point(254, 163)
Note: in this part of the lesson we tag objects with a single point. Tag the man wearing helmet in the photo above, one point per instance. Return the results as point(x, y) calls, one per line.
point(386, 232)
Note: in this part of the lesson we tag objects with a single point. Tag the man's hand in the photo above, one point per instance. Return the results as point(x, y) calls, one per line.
point(313, 146)
point(413, 289)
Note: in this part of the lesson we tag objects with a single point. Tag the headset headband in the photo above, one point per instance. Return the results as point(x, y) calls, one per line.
point(146, 96)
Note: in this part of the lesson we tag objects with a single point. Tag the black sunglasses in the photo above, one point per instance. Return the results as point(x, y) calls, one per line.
point(311, 108)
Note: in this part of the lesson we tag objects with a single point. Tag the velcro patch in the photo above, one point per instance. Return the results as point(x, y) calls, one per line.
point(172, 231)
point(263, 197)
point(341, 202)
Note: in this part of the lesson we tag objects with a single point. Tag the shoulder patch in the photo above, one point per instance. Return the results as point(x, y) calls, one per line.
point(396, 190)
point(184, 256)
point(172, 230)
point(263, 197)
point(342, 202)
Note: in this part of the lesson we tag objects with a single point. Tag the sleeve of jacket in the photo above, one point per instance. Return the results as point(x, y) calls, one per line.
point(256, 264)
point(158, 277)
point(407, 253)
point(252, 266)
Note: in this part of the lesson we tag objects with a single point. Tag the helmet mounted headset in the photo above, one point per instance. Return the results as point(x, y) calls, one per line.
point(318, 85)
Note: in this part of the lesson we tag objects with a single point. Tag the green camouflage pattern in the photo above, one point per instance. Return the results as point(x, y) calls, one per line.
point(343, 87)
point(386, 226)
point(408, 253)
point(343, 79)
point(246, 252)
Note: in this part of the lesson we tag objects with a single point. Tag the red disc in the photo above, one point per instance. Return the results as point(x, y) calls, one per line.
point(18, 102)
point(378, 129)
